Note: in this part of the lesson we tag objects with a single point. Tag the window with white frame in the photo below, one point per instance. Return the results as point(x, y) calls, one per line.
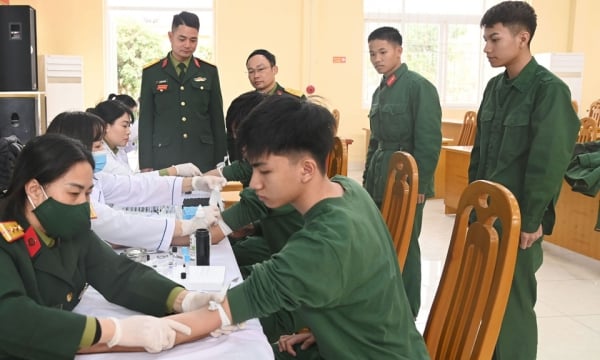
point(441, 40)
point(137, 34)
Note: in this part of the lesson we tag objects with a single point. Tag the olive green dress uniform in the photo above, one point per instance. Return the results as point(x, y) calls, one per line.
point(181, 120)
point(347, 290)
point(405, 115)
point(41, 284)
point(526, 130)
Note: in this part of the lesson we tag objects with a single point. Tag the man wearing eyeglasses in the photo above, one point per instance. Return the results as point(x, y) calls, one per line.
point(262, 69)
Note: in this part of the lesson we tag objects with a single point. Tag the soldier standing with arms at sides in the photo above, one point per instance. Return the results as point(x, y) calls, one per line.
point(526, 130)
point(405, 115)
point(181, 107)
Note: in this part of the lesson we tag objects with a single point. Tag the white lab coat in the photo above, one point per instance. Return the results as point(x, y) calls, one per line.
point(121, 228)
point(132, 230)
point(116, 163)
point(143, 189)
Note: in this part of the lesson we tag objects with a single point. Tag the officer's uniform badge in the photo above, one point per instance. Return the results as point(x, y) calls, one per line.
point(11, 231)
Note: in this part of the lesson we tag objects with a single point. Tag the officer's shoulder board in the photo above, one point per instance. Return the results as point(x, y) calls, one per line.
point(11, 231)
point(151, 63)
point(199, 61)
point(294, 92)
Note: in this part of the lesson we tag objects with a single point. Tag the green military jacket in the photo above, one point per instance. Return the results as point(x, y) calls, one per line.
point(239, 170)
point(181, 121)
point(41, 285)
point(280, 90)
point(526, 131)
point(339, 275)
point(405, 115)
point(276, 225)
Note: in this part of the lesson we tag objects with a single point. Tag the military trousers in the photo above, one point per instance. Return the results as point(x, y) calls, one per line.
point(518, 337)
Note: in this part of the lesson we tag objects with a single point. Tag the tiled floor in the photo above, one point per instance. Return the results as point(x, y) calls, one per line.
point(568, 307)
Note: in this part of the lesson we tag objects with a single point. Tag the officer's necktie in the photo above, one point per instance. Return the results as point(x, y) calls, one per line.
point(181, 67)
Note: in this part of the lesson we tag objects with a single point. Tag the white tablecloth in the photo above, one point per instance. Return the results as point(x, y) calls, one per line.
point(249, 343)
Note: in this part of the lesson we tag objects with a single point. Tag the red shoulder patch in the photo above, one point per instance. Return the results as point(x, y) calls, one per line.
point(32, 242)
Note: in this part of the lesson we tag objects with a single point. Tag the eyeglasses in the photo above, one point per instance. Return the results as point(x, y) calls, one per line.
point(258, 70)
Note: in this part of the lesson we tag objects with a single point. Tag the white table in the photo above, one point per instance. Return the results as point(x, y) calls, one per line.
point(249, 343)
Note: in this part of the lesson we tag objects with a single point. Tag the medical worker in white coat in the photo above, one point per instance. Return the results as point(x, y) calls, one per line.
point(121, 228)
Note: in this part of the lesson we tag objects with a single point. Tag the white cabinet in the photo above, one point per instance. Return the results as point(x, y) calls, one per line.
point(61, 78)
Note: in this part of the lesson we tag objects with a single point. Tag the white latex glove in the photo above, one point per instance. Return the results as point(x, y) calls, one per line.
point(187, 169)
point(152, 333)
point(208, 183)
point(227, 329)
point(205, 217)
point(195, 300)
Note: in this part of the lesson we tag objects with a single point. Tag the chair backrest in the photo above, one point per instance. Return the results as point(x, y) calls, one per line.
point(337, 161)
point(595, 111)
point(588, 130)
point(336, 117)
point(468, 308)
point(469, 129)
point(400, 201)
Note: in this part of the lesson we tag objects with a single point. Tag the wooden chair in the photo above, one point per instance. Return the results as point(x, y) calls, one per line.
point(468, 308)
point(588, 130)
point(594, 111)
point(469, 129)
point(337, 161)
point(400, 201)
point(336, 117)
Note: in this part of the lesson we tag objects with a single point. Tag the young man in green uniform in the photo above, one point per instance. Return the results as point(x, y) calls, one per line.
point(181, 108)
point(405, 115)
point(526, 130)
point(347, 290)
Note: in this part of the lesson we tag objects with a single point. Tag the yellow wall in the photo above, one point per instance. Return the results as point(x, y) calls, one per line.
point(305, 35)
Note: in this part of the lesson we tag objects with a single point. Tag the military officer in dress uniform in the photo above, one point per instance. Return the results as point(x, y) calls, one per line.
point(262, 68)
point(181, 107)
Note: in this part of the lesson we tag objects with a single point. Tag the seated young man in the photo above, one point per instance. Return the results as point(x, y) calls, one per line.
point(338, 273)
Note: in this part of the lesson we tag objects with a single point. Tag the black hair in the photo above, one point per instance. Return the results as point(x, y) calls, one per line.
point(110, 110)
point(284, 125)
point(83, 126)
point(238, 109)
point(44, 158)
point(187, 19)
point(266, 53)
point(125, 99)
point(387, 33)
point(516, 15)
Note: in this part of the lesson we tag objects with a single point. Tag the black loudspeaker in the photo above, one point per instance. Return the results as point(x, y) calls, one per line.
point(18, 62)
point(17, 117)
